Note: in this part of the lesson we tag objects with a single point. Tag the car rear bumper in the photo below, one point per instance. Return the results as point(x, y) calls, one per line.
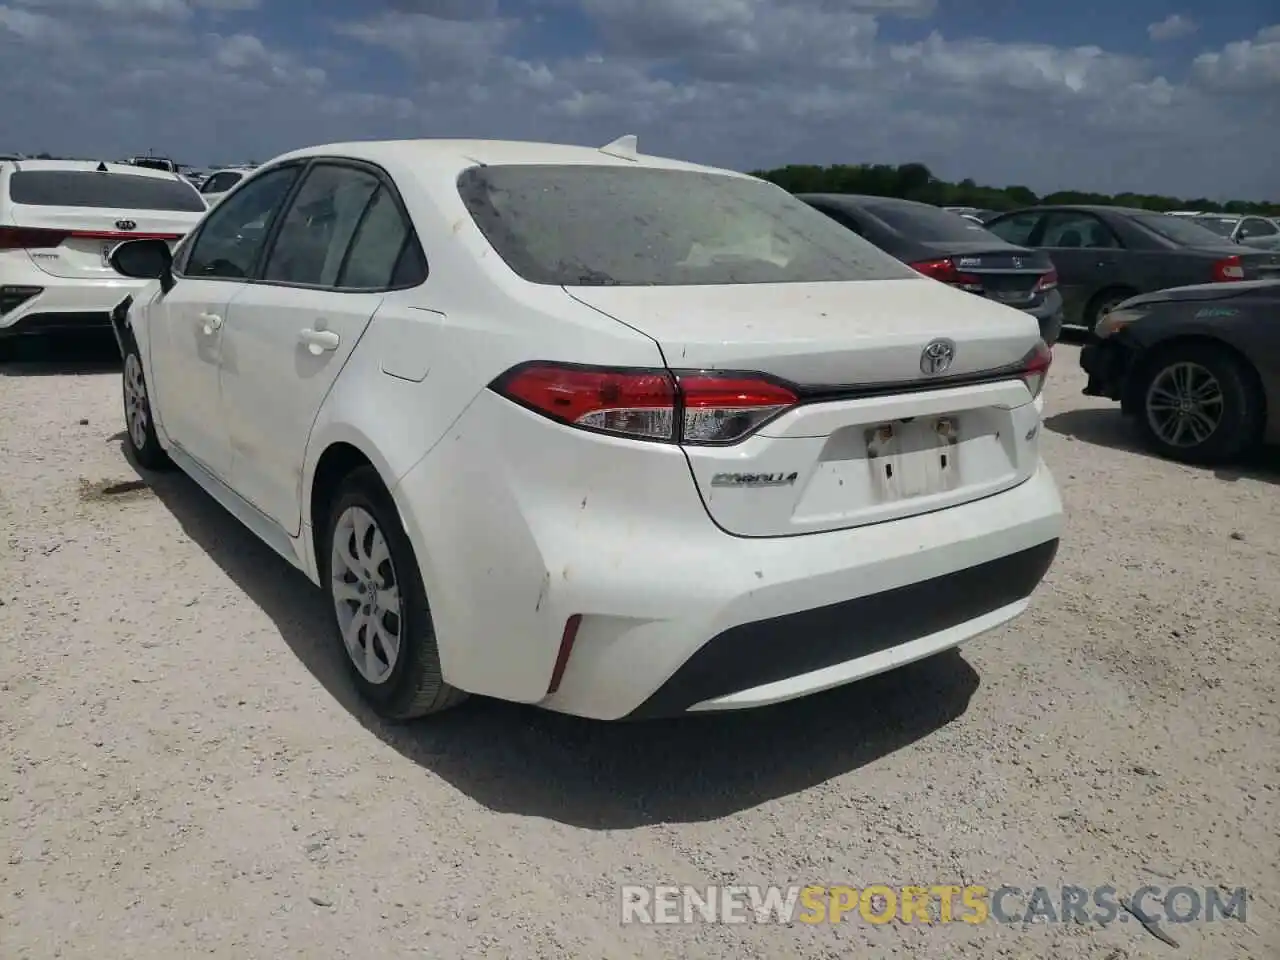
point(522, 527)
point(62, 305)
point(1049, 314)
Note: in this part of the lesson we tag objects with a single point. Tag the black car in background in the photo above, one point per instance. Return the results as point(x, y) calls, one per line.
point(1197, 367)
point(952, 249)
point(1108, 254)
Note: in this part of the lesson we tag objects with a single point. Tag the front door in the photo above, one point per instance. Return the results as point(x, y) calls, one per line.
point(1087, 255)
point(192, 317)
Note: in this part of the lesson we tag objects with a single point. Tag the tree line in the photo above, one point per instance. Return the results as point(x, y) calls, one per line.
point(914, 181)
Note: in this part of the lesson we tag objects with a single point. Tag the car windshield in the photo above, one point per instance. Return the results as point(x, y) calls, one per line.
point(1181, 230)
point(116, 191)
point(577, 225)
point(929, 224)
point(1222, 226)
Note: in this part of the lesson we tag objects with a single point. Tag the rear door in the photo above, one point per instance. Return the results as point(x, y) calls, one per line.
point(1088, 255)
point(77, 217)
point(289, 335)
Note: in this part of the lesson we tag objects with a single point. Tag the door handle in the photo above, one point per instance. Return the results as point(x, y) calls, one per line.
point(212, 323)
point(318, 341)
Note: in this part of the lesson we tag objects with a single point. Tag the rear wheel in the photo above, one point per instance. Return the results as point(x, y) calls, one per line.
point(1102, 303)
point(140, 427)
point(1199, 403)
point(379, 604)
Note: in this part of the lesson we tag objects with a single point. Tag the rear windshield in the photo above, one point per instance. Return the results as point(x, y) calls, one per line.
point(1222, 227)
point(928, 224)
point(1178, 229)
point(88, 188)
point(623, 226)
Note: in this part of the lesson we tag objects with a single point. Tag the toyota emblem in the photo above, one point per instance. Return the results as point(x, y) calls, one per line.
point(936, 358)
point(126, 225)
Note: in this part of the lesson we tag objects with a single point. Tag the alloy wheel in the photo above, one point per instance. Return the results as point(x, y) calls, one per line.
point(1184, 404)
point(366, 594)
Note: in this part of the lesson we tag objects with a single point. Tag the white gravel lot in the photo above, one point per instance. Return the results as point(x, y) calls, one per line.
point(185, 773)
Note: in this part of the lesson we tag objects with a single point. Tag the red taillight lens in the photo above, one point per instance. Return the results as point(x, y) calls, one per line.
point(694, 407)
point(1228, 269)
point(1035, 368)
point(30, 238)
point(945, 271)
point(1047, 282)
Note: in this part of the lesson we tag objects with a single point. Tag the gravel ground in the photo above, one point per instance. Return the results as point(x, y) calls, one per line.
point(185, 771)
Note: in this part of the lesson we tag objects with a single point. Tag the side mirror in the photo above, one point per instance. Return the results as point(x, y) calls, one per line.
point(142, 259)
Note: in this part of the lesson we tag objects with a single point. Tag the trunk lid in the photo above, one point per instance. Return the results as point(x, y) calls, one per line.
point(876, 438)
point(1006, 274)
point(89, 234)
point(1260, 265)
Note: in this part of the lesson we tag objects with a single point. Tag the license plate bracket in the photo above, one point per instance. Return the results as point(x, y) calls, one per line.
point(914, 458)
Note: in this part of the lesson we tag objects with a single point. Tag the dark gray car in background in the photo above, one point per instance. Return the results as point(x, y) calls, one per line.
point(1107, 254)
point(1197, 367)
point(954, 250)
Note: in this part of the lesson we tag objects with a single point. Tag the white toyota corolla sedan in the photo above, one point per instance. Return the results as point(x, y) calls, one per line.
point(615, 435)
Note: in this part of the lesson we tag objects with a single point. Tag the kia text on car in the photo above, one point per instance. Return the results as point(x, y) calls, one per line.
point(541, 433)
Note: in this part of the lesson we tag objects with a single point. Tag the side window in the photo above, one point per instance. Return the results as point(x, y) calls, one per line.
point(376, 250)
point(842, 218)
point(1069, 230)
point(1016, 228)
point(1256, 227)
point(234, 233)
point(319, 225)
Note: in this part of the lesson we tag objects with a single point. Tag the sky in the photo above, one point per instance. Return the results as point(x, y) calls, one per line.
point(1109, 95)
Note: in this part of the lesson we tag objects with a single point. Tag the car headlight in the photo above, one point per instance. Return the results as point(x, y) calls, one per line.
point(1113, 321)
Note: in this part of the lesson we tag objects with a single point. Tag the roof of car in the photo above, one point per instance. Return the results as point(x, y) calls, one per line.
point(463, 153)
point(92, 166)
point(865, 198)
point(1083, 208)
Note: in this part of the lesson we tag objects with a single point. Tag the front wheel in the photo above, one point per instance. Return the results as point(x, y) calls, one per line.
point(1199, 404)
point(140, 425)
point(379, 605)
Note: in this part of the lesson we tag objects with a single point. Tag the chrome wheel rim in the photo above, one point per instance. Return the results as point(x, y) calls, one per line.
point(1184, 404)
point(366, 594)
point(135, 401)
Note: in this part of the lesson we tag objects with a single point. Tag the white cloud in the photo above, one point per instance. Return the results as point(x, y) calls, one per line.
point(1245, 66)
point(1173, 27)
point(743, 83)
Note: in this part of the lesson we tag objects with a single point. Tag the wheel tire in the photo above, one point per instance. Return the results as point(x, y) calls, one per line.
point(140, 427)
point(414, 686)
point(1241, 411)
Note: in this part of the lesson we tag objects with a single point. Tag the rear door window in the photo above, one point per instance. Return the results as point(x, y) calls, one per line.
point(114, 191)
point(318, 228)
point(1070, 230)
point(1017, 228)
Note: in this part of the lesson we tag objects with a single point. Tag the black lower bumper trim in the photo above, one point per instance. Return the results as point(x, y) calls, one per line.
point(766, 651)
point(36, 324)
point(1107, 365)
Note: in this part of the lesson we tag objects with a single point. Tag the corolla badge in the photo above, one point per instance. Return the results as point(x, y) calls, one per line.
point(936, 358)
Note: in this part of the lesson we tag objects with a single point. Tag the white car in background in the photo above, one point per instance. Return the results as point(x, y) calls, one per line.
point(540, 433)
point(59, 222)
point(217, 184)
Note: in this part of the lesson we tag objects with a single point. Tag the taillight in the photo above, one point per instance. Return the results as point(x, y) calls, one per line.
point(945, 271)
point(1035, 368)
point(39, 238)
point(30, 238)
point(1228, 269)
point(1047, 282)
point(695, 407)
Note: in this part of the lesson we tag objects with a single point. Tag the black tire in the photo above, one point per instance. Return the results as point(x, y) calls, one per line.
point(1241, 410)
point(140, 427)
point(414, 686)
